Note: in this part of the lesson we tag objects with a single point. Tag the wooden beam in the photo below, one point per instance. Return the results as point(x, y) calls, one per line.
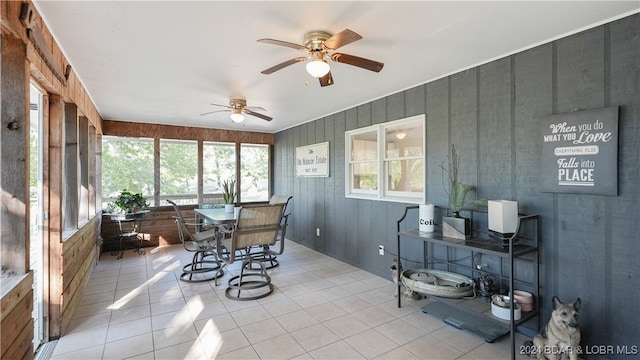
point(14, 152)
point(130, 129)
point(53, 247)
point(29, 19)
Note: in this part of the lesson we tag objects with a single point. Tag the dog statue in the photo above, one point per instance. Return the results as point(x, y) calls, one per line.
point(561, 336)
point(396, 268)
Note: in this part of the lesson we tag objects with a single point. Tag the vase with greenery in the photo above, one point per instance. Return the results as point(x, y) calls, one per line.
point(127, 202)
point(455, 190)
point(229, 194)
point(455, 226)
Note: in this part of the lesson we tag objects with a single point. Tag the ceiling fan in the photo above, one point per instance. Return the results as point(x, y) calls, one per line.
point(319, 46)
point(238, 107)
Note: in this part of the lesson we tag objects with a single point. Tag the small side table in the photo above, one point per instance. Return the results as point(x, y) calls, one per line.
point(129, 232)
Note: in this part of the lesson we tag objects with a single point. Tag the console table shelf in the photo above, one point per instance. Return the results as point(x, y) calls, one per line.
point(522, 245)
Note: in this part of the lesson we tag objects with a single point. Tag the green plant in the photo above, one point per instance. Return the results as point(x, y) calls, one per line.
point(456, 191)
point(127, 202)
point(229, 191)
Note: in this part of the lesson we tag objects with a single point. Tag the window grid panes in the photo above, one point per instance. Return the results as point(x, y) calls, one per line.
point(127, 164)
point(254, 172)
point(364, 162)
point(218, 165)
point(404, 158)
point(387, 161)
point(179, 171)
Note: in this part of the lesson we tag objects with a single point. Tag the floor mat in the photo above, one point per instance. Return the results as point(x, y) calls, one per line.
point(478, 324)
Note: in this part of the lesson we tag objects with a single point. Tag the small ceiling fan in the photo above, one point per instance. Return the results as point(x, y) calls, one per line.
point(319, 46)
point(238, 107)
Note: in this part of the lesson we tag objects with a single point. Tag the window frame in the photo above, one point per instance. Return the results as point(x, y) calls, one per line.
point(383, 192)
point(158, 197)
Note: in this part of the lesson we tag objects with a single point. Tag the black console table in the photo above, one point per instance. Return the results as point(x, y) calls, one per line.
point(522, 245)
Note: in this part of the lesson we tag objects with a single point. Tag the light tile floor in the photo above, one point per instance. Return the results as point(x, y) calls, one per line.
point(322, 308)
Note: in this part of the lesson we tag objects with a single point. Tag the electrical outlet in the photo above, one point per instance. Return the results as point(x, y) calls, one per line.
point(317, 231)
point(380, 249)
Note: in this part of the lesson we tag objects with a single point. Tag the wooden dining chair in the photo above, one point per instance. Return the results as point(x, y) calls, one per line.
point(257, 226)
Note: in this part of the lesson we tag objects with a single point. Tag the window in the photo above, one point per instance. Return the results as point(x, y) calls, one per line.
point(386, 161)
point(127, 164)
point(254, 172)
point(130, 163)
point(179, 171)
point(364, 162)
point(218, 164)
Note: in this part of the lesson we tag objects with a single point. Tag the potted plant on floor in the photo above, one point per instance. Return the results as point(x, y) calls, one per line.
point(229, 194)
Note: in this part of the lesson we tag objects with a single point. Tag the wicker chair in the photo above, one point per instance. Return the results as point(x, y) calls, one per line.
point(205, 265)
point(257, 226)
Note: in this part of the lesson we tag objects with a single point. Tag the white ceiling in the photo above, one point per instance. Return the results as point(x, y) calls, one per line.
point(164, 62)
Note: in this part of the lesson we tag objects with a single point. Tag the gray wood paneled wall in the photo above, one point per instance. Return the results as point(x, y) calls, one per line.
point(589, 242)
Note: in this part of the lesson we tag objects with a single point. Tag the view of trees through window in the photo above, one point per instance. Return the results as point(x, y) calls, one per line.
point(254, 170)
point(128, 164)
point(219, 164)
point(179, 171)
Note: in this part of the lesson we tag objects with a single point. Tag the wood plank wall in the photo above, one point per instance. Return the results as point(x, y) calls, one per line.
point(17, 323)
point(73, 91)
point(78, 260)
point(158, 228)
point(69, 262)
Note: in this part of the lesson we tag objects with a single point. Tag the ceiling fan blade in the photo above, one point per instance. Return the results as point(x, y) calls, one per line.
point(326, 80)
point(342, 38)
point(282, 43)
point(258, 115)
point(255, 108)
point(357, 61)
point(282, 65)
point(224, 106)
point(211, 112)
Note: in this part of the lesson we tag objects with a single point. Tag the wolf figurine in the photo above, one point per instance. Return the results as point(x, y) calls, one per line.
point(561, 336)
point(396, 269)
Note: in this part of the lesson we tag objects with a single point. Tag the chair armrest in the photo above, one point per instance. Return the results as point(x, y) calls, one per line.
point(283, 232)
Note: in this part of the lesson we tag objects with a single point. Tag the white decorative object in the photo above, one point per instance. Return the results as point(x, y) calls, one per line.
point(229, 208)
point(504, 313)
point(427, 222)
point(503, 216)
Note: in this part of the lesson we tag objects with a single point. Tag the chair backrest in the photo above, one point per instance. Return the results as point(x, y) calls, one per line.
point(257, 225)
point(280, 199)
point(183, 229)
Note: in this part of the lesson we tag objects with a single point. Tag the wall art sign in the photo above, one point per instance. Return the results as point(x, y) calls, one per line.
point(580, 152)
point(313, 160)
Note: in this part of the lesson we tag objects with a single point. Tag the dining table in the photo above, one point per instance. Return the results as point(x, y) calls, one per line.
point(215, 216)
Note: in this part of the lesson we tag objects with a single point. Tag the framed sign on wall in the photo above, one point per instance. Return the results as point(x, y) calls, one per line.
point(580, 152)
point(313, 160)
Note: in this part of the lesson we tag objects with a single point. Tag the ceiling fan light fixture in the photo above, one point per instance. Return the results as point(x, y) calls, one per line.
point(401, 135)
point(317, 67)
point(236, 116)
